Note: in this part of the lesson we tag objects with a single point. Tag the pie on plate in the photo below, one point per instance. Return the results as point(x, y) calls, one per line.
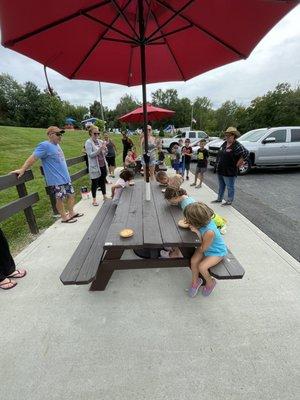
point(126, 233)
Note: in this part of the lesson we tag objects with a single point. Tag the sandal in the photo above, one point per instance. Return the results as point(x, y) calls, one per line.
point(77, 215)
point(10, 282)
point(18, 273)
point(69, 221)
point(95, 204)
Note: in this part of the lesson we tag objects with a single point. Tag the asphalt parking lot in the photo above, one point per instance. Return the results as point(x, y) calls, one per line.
point(270, 199)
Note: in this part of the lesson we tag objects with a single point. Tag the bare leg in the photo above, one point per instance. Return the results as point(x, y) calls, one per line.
point(61, 209)
point(70, 204)
point(201, 176)
point(196, 177)
point(175, 253)
point(205, 264)
point(195, 260)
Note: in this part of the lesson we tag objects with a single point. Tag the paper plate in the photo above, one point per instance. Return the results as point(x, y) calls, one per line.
point(182, 224)
point(126, 233)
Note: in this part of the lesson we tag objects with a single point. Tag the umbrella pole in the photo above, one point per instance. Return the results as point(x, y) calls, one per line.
point(143, 75)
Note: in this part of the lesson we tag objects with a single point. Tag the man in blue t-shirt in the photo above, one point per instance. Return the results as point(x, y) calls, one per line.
point(56, 172)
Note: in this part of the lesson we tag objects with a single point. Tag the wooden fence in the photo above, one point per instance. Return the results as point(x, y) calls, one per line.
point(25, 201)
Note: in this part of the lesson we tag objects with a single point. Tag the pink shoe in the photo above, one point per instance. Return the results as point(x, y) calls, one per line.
point(208, 289)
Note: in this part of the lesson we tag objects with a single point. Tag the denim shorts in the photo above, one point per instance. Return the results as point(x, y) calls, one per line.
point(62, 191)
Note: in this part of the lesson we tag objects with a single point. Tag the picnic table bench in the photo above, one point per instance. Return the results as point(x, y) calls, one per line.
point(155, 225)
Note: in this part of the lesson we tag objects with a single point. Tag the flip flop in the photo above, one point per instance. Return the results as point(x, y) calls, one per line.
point(69, 221)
point(7, 283)
point(77, 215)
point(18, 274)
point(95, 204)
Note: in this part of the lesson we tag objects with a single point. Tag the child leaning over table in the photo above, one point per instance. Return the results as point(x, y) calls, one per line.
point(178, 196)
point(211, 251)
point(116, 190)
point(164, 179)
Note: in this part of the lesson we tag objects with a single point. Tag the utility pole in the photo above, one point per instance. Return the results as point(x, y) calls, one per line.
point(101, 104)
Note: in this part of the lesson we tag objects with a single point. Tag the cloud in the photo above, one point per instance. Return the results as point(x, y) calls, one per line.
point(275, 59)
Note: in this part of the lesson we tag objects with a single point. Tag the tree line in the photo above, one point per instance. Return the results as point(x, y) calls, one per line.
point(27, 105)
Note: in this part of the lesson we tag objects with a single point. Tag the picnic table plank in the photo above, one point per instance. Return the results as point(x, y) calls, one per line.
point(233, 267)
point(74, 265)
point(151, 228)
point(120, 221)
point(168, 229)
point(135, 217)
point(92, 260)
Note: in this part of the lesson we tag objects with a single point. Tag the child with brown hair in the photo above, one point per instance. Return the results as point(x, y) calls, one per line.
point(211, 251)
point(164, 179)
point(116, 190)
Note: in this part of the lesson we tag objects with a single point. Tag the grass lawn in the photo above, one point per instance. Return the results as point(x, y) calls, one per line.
point(16, 144)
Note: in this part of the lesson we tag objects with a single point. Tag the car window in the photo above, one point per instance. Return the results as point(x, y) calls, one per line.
point(253, 136)
point(201, 135)
point(280, 135)
point(192, 135)
point(295, 135)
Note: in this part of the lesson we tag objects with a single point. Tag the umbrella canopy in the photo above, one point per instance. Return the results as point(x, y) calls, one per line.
point(100, 40)
point(135, 42)
point(153, 114)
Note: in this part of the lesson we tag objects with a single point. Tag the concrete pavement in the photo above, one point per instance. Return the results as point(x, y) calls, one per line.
point(143, 338)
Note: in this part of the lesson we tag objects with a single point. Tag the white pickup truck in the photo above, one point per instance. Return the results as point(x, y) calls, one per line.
point(194, 136)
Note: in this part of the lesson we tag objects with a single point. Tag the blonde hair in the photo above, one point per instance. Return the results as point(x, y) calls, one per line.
point(176, 181)
point(160, 175)
point(198, 214)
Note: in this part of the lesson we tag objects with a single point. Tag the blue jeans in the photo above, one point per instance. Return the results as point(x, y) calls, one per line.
point(229, 182)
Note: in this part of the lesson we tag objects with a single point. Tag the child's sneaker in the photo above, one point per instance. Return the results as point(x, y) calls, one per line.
point(193, 184)
point(193, 290)
point(164, 254)
point(208, 289)
point(198, 186)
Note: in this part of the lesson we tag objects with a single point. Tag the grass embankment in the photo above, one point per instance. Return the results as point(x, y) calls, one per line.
point(16, 144)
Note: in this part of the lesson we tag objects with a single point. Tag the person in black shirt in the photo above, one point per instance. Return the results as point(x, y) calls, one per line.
point(127, 145)
point(202, 156)
point(187, 152)
point(231, 156)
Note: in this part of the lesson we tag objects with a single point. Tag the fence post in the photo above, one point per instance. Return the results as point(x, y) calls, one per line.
point(22, 192)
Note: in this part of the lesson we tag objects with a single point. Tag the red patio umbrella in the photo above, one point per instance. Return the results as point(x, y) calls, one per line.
point(135, 42)
point(153, 114)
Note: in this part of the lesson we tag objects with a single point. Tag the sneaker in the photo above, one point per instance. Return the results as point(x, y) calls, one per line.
point(208, 289)
point(187, 178)
point(193, 290)
point(193, 184)
point(216, 201)
point(227, 203)
point(164, 254)
point(198, 186)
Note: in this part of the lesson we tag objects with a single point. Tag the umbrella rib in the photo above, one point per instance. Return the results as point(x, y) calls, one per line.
point(96, 44)
point(176, 12)
point(110, 27)
point(169, 47)
point(55, 23)
point(170, 33)
point(211, 35)
point(125, 18)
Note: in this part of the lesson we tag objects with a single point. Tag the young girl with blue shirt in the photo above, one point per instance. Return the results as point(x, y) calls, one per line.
point(211, 251)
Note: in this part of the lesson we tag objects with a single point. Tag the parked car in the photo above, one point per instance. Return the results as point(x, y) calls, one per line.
point(268, 147)
point(194, 136)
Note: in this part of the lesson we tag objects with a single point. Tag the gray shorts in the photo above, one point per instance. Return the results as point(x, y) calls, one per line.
point(201, 170)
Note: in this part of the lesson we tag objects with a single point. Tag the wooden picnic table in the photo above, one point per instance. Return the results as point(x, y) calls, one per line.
point(155, 226)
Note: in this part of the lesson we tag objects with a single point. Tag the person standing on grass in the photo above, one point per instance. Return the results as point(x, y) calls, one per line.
point(111, 155)
point(201, 168)
point(127, 145)
point(7, 266)
point(96, 151)
point(56, 172)
point(187, 152)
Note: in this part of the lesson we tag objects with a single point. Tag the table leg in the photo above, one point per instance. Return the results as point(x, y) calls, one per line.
point(104, 274)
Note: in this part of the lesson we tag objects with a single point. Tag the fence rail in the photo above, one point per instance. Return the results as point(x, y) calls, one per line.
point(25, 201)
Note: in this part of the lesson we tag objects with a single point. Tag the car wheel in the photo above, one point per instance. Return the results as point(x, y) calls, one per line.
point(244, 169)
point(171, 147)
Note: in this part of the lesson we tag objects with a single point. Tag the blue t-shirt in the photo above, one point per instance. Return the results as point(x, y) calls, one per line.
point(54, 163)
point(218, 246)
point(186, 201)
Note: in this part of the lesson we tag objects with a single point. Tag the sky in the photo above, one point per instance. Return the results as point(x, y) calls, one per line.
point(275, 59)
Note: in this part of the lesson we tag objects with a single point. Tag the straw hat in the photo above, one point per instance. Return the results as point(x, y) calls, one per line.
point(232, 131)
